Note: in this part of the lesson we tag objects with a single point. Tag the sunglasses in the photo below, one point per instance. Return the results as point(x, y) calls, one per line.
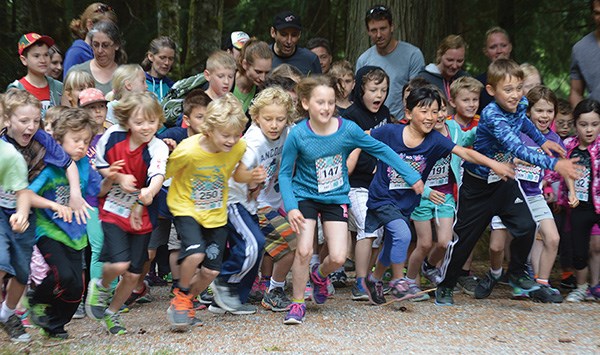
point(378, 10)
point(103, 8)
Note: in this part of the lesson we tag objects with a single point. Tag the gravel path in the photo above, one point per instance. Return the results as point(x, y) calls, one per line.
point(496, 325)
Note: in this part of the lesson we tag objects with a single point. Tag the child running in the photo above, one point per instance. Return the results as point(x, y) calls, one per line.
point(391, 201)
point(132, 161)
point(54, 301)
point(318, 147)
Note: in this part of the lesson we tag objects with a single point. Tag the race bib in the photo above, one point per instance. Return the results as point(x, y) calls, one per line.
point(528, 173)
point(582, 186)
point(439, 173)
point(120, 202)
point(8, 199)
point(396, 181)
point(502, 158)
point(207, 195)
point(329, 173)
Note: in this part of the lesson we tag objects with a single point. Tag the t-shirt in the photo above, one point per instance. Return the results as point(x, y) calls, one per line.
point(498, 138)
point(401, 65)
point(53, 185)
point(303, 59)
point(321, 173)
point(584, 64)
point(104, 87)
point(145, 162)
point(13, 174)
point(42, 94)
point(175, 133)
point(583, 185)
point(474, 122)
point(260, 151)
point(529, 175)
point(245, 98)
point(388, 187)
point(199, 186)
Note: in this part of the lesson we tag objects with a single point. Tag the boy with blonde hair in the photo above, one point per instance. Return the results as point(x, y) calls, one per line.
point(220, 74)
point(464, 98)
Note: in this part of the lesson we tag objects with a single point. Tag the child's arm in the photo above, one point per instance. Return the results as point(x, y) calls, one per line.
point(147, 193)
point(504, 171)
point(548, 146)
point(352, 160)
point(252, 177)
point(76, 201)
point(288, 158)
point(19, 221)
point(573, 200)
point(63, 212)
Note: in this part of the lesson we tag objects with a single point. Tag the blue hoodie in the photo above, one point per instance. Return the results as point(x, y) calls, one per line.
point(159, 86)
point(79, 52)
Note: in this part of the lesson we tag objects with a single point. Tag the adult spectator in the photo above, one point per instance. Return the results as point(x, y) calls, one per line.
point(585, 67)
point(321, 48)
point(497, 45)
point(234, 43)
point(81, 49)
point(108, 55)
point(449, 60)
point(401, 60)
point(286, 32)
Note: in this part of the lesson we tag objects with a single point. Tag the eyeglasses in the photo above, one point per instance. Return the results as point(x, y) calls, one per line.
point(378, 10)
point(103, 45)
point(103, 8)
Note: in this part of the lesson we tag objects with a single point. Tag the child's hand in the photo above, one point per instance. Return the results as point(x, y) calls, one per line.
point(127, 182)
point(145, 196)
point(259, 174)
point(568, 169)
point(573, 200)
point(135, 217)
point(504, 170)
point(418, 187)
point(437, 197)
point(19, 222)
point(114, 169)
point(550, 147)
point(80, 208)
point(63, 212)
point(296, 220)
point(170, 143)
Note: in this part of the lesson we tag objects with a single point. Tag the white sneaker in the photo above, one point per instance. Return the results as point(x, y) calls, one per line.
point(578, 294)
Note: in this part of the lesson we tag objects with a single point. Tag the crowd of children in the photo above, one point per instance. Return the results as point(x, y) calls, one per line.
point(321, 173)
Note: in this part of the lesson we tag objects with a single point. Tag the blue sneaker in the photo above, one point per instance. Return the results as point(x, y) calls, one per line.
point(320, 292)
point(444, 296)
point(296, 314)
point(523, 282)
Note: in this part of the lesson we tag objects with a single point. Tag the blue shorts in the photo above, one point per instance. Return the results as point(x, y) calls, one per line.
point(428, 210)
point(16, 248)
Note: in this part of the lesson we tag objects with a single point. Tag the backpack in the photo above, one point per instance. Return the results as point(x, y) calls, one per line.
point(172, 103)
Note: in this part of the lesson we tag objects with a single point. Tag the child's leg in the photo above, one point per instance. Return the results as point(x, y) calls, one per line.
point(304, 252)
point(424, 244)
point(550, 239)
point(498, 238)
point(280, 245)
point(336, 237)
point(582, 221)
point(193, 248)
point(398, 237)
point(594, 259)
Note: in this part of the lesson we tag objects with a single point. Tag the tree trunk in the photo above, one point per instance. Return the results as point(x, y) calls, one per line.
point(422, 23)
point(204, 33)
point(168, 24)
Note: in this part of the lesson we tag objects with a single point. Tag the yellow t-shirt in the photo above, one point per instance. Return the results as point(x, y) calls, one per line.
point(199, 187)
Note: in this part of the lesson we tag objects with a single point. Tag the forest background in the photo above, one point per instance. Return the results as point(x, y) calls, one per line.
point(542, 32)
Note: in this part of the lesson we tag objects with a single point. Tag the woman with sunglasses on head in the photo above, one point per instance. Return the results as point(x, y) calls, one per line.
point(108, 50)
point(81, 49)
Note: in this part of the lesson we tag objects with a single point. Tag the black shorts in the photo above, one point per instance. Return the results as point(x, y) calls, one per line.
point(328, 212)
point(120, 246)
point(195, 239)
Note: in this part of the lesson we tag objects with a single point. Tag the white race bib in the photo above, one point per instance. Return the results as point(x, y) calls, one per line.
point(502, 158)
point(207, 195)
point(120, 202)
point(528, 173)
point(8, 199)
point(329, 173)
point(582, 186)
point(439, 173)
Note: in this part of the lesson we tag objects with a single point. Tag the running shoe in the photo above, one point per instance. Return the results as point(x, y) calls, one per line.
point(320, 292)
point(338, 278)
point(225, 295)
point(96, 302)
point(485, 285)
point(276, 300)
point(431, 274)
point(444, 296)
point(467, 284)
point(546, 294)
point(296, 314)
point(113, 324)
point(15, 329)
point(414, 289)
point(523, 281)
point(80, 312)
point(359, 293)
point(180, 311)
point(374, 291)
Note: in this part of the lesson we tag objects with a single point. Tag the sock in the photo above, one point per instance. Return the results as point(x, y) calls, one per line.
point(175, 284)
point(359, 281)
point(300, 301)
point(184, 290)
point(320, 273)
point(275, 284)
point(566, 274)
point(5, 312)
point(496, 273)
point(543, 282)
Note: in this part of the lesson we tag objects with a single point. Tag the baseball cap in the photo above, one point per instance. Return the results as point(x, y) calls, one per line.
point(30, 38)
point(238, 38)
point(286, 19)
point(90, 96)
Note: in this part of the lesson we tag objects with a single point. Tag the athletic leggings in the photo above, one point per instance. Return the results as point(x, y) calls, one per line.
point(583, 218)
point(395, 242)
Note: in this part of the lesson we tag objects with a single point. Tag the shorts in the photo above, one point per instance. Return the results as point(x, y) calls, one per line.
point(328, 212)
point(428, 210)
point(280, 239)
point(196, 239)
point(174, 242)
point(357, 213)
point(539, 210)
point(120, 246)
point(16, 248)
point(160, 234)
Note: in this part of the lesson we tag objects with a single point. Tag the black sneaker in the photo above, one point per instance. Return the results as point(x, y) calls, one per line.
point(358, 293)
point(485, 286)
point(569, 283)
point(374, 291)
point(467, 284)
point(523, 281)
point(59, 334)
point(349, 265)
point(338, 279)
point(205, 297)
point(444, 296)
point(15, 330)
point(546, 294)
point(276, 300)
